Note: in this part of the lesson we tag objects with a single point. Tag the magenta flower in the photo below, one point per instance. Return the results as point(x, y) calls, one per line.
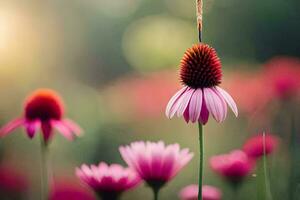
point(282, 76)
point(44, 110)
point(67, 190)
point(154, 162)
point(254, 147)
point(108, 181)
point(208, 193)
point(201, 74)
point(234, 166)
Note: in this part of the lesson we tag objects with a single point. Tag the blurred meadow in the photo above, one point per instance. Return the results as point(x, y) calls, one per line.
point(115, 64)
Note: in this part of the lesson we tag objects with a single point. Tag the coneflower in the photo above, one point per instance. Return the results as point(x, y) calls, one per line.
point(201, 74)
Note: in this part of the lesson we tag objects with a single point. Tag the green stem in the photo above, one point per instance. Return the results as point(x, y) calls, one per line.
point(268, 193)
point(155, 193)
point(201, 150)
point(44, 170)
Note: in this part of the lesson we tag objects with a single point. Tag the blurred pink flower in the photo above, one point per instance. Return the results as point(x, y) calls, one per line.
point(254, 147)
point(234, 166)
point(155, 162)
point(108, 181)
point(67, 190)
point(12, 180)
point(208, 193)
point(201, 74)
point(282, 76)
point(43, 110)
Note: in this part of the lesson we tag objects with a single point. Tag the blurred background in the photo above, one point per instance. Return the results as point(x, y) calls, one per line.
point(115, 63)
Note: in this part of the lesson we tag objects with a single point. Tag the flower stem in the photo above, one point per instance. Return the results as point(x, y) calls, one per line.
point(265, 170)
point(201, 151)
point(155, 193)
point(44, 170)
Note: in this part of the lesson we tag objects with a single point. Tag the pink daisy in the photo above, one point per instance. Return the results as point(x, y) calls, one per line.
point(154, 162)
point(234, 166)
point(254, 147)
point(108, 181)
point(190, 192)
point(201, 73)
point(44, 110)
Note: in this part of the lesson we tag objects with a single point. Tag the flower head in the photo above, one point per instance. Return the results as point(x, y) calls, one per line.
point(109, 181)
point(201, 74)
point(254, 147)
point(154, 162)
point(63, 190)
point(190, 192)
point(282, 75)
point(44, 110)
point(234, 166)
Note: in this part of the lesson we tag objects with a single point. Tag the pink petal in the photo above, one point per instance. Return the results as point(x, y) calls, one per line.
point(31, 127)
point(195, 105)
point(184, 101)
point(186, 115)
point(173, 103)
point(63, 129)
point(215, 104)
point(11, 126)
point(223, 102)
point(204, 115)
point(229, 100)
point(73, 126)
point(47, 130)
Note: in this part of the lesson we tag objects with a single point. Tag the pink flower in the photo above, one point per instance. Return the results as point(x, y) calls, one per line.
point(208, 193)
point(67, 190)
point(12, 180)
point(108, 181)
point(282, 74)
point(234, 166)
point(201, 74)
point(254, 147)
point(43, 110)
point(155, 162)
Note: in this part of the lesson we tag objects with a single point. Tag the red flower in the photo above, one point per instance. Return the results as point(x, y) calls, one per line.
point(44, 110)
point(254, 147)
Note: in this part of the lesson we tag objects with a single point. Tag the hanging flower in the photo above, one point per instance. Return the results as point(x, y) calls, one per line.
point(44, 110)
point(108, 181)
point(254, 147)
point(200, 72)
point(154, 162)
point(234, 166)
point(190, 192)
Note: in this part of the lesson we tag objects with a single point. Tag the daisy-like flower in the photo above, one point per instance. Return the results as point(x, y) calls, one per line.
point(44, 110)
point(234, 166)
point(254, 147)
point(200, 72)
point(154, 162)
point(190, 192)
point(108, 181)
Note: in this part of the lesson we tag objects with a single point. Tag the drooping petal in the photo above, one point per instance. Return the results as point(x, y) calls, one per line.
point(11, 126)
point(215, 104)
point(204, 115)
point(63, 129)
point(32, 127)
point(75, 128)
point(47, 130)
point(229, 100)
point(195, 105)
point(223, 102)
point(173, 103)
point(184, 101)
